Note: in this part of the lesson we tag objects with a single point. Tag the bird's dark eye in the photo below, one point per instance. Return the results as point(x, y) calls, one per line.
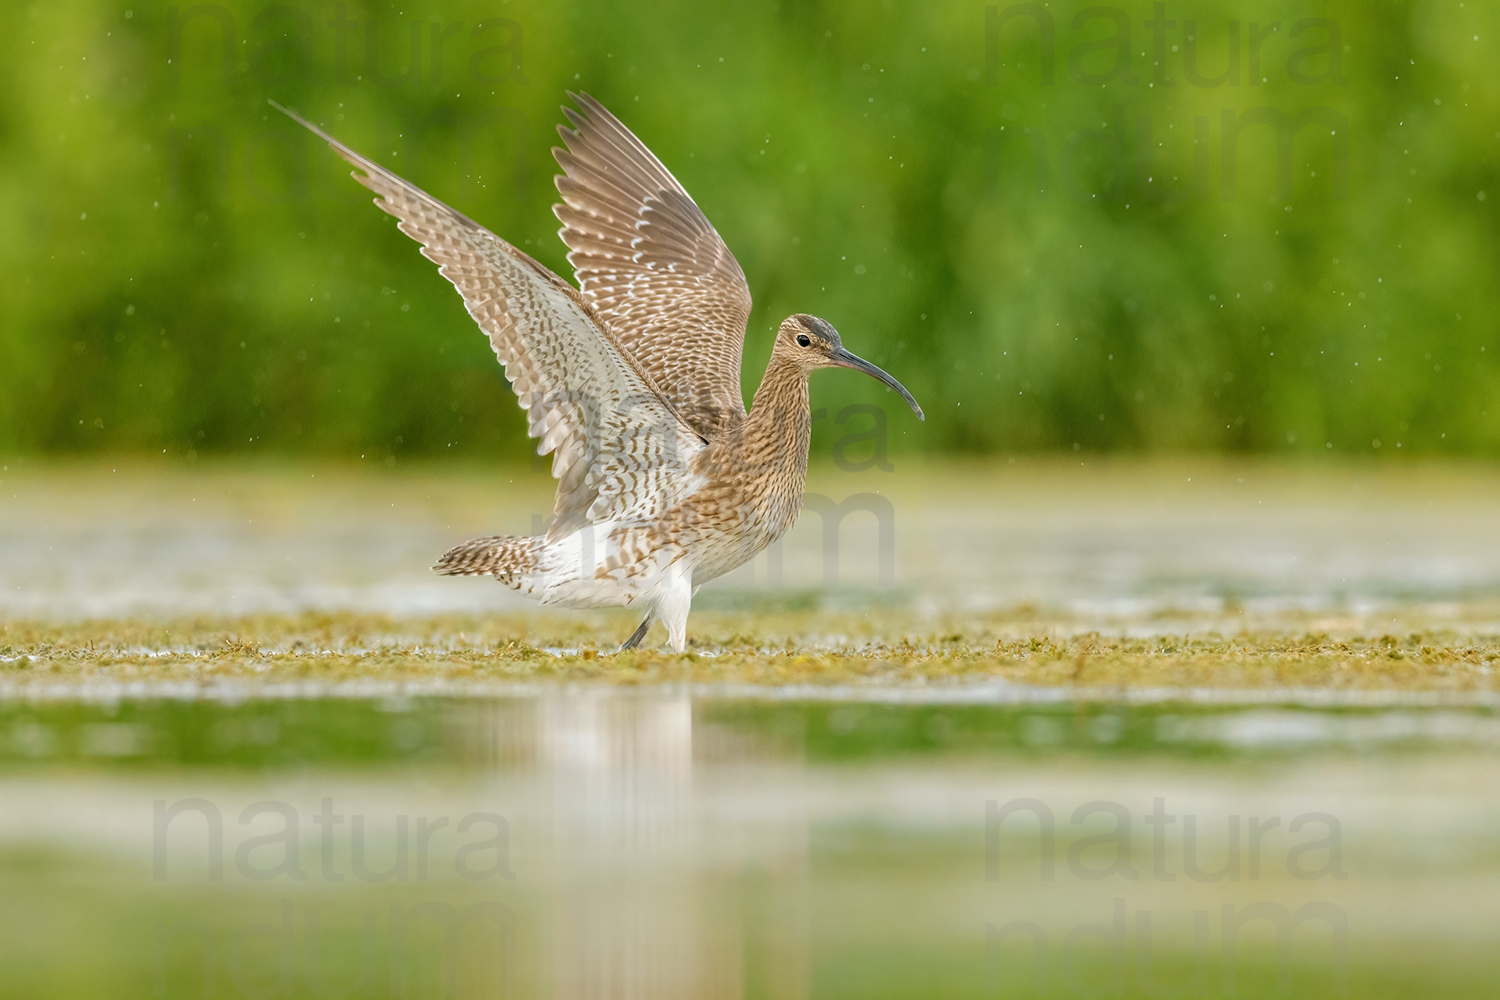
point(802, 339)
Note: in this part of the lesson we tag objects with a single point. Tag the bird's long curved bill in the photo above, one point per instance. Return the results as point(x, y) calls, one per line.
point(845, 359)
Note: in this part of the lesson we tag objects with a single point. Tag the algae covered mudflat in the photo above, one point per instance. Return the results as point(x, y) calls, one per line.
point(1091, 574)
point(1398, 652)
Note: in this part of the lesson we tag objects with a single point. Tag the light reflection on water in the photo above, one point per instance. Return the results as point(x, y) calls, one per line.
point(1113, 541)
point(609, 843)
point(739, 842)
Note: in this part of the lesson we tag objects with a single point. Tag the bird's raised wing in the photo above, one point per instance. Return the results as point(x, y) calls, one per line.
point(619, 450)
point(653, 267)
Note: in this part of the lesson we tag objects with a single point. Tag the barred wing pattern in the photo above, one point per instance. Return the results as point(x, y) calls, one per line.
point(653, 267)
point(619, 450)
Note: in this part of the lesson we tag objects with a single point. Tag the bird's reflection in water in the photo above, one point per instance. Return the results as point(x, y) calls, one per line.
point(670, 867)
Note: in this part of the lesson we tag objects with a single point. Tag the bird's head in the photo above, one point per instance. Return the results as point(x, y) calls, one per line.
point(811, 343)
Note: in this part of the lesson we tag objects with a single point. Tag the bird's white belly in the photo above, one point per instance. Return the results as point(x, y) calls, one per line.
point(588, 569)
point(614, 563)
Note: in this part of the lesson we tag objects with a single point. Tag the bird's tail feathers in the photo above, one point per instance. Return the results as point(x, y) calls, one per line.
point(501, 555)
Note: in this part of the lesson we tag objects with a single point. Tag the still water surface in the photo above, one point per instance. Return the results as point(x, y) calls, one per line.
point(608, 843)
point(664, 843)
point(1113, 544)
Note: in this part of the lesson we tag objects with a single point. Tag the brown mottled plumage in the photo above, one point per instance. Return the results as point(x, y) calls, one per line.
point(653, 267)
point(631, 381)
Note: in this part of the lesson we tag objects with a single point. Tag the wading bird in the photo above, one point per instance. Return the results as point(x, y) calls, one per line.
point(631, 381)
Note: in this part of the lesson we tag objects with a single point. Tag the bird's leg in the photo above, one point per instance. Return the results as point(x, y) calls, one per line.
point(672, 604)
point(639, 633)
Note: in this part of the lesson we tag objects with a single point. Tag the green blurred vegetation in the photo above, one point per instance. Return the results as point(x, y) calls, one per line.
point(185, 271)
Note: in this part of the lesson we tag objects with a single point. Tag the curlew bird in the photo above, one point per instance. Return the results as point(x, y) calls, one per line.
point(631, 381)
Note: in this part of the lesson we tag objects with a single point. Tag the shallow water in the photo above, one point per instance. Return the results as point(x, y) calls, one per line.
point(607, 843)
point(1117, 545)
point(226, 837)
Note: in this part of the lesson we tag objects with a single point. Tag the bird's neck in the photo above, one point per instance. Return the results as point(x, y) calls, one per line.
point(775, 434)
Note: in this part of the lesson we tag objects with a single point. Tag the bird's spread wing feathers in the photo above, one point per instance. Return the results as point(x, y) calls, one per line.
point(619, 450)
point(653, 267)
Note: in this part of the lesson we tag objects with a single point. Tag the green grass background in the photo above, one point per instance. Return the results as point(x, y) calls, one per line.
point(186, 272)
